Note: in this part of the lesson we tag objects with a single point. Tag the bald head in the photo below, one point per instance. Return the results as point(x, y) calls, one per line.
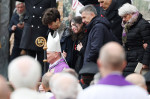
point(24, 71)
point(137, 79)
point(4, 89)
point(112, 54)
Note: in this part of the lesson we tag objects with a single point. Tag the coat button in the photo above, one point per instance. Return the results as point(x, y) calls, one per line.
point(34, 7)
point(40, 17)
point(40, 7)
point(31, 25)
point(38, 27)
point(33, 16)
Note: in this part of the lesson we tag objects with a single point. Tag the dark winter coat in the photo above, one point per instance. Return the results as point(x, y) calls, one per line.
point(99, 34)
point(137, 34)
point(78, 56)
point(86, 2)
point(115, 20)
point(17, 37)
point(33, 22)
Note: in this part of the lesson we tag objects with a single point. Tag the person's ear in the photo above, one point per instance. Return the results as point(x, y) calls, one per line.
point(99, 63)
point(57, 20)
point(124, 64)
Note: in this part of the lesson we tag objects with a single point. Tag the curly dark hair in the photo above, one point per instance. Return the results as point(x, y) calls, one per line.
point(79, 36)
point(50, 15)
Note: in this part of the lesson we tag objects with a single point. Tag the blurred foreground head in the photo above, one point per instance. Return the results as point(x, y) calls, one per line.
point(24, 71)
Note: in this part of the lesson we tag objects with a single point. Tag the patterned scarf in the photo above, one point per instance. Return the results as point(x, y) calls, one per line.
point(127, 25)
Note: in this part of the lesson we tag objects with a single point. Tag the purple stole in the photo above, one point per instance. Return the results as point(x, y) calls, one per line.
point(115, 80)
point(53, 97)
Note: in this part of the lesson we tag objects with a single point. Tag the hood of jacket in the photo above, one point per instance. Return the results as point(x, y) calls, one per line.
point(97, 20)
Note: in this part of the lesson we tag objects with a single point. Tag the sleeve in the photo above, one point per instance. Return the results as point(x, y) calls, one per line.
point(145, 32)
point(96, 42)
point(11, 23)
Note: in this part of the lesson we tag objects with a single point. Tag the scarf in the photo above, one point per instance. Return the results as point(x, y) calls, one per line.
point(126, 26)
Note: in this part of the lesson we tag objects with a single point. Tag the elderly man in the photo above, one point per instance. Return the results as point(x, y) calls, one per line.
point(4, 89)
point(111, 63)
point(24, 72)
point(16, 26)
point(99, 33)
point(64, 86)
point(54, 57)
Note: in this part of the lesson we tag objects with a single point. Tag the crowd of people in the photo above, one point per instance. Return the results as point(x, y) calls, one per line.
point(96, 57)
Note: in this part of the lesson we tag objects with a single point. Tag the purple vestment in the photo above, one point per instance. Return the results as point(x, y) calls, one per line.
point(59, 66)
point(114, 79)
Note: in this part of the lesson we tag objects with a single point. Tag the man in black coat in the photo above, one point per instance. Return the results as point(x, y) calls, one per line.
point(16, 26)
point(34, 28)
point(99, 33)
point(109, 9)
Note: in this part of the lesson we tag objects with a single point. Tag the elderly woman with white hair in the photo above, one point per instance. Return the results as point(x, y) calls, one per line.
point(136, 32)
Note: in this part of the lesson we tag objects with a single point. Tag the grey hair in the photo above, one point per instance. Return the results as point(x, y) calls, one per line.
point(88, 8)
point(127, 9)
point(24, 71)
point(18, 2)
point(64, 86)
point(45, 79)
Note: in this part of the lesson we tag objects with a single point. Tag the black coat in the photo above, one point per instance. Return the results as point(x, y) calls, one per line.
point(137, 34)
point(33, 22)
point(112, 16)
point(86, 2)
point(18, 32)
point(99, 34)
point(78, 56)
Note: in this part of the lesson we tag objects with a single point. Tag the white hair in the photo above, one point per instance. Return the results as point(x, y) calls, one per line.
point(24, 71)
point(127, 9)
point(64, 86)
point(18, 2)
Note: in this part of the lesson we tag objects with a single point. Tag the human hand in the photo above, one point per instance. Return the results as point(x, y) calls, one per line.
point(64, 54)
point(145, 45)
point(13, 28)
point(20, 25)
point(145, 67)
point(79, 46)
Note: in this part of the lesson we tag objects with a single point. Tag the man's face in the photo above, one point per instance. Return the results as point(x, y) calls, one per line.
point(20, 8)
point(105, 3)
point(54, 25)
point(50, 57)
point(87, 17)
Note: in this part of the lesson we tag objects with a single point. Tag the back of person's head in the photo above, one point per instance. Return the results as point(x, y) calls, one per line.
point(127, 9)
point(4, 89)
point(112, 57)
point(45, 80)
point(71, 71)
point(24, 71)
point(50, 15)
point(137, 79)
point(88, 8)
point(64, 86)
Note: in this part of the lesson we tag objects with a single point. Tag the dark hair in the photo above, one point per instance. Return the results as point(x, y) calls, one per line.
point(80, 36)
point(50, 15)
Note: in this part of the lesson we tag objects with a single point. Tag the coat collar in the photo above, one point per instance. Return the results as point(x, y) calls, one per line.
point(115, 80)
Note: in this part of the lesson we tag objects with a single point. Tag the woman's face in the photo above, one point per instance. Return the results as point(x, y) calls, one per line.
point(126, 18)
point(76, 28)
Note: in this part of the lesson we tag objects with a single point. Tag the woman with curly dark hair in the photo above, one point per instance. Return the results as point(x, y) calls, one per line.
point(79, 38)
